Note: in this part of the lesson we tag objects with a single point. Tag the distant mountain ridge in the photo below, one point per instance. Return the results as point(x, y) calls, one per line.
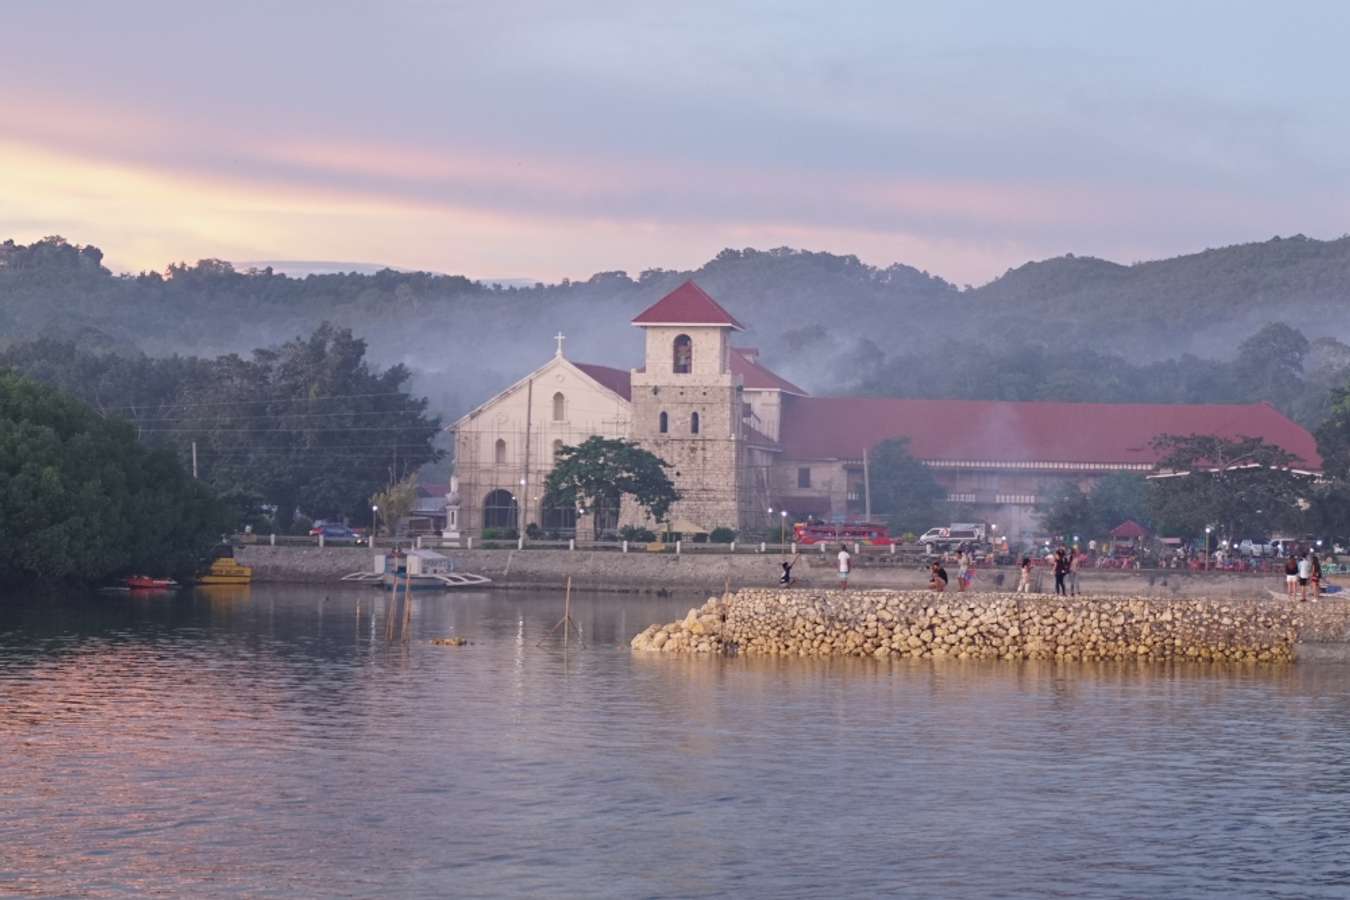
point(818, 318)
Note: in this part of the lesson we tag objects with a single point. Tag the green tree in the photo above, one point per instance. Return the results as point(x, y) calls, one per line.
point(81, 499)
point(1243, 487)
point(1333, 436)
point(601, 471)
point(307, 425)
point(1068, 512)
point(904, 489)
point(396, 502)
point(1269, 364)
point(1114, 499)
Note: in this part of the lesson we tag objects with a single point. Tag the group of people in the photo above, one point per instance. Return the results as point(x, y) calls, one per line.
point(965, 572)
point(1066, 564)
point(1300, 573)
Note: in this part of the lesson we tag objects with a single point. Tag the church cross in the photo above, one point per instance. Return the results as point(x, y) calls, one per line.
point(560, 337)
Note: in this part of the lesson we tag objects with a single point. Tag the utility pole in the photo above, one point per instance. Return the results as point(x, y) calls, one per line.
point(525, 469)
point(867, 489)
point(194, 460)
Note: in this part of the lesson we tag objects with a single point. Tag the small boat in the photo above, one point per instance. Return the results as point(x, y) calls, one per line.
point(146, 583)
point(417, 570)
point(225, 569)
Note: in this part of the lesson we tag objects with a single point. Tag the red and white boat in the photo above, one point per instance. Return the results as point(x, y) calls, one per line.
point(146, 583)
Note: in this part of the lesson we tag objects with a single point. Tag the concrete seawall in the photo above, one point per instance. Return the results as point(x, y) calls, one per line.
point(919, 624)
point(713, 570)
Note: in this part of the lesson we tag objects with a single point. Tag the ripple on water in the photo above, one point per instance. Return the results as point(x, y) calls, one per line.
point(271, 744)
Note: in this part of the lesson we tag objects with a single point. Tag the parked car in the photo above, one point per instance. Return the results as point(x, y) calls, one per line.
point(336, 534)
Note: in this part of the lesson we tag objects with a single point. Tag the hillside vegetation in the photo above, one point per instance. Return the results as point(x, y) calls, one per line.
point(1069, 328)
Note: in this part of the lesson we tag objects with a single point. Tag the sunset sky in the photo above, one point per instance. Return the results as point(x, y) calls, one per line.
point(546, 140)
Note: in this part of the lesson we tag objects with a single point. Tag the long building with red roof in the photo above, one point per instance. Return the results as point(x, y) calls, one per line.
point(743, 440)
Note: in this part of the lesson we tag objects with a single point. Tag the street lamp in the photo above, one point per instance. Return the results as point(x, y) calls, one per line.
point(374, 519)
point(782, 525)
point(1208, 529)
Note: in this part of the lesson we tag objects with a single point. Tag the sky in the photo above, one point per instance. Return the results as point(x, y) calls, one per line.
point(549, 140)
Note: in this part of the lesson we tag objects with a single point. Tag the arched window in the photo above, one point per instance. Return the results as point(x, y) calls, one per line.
point(499, 452)
point(684, 355)
point(559, 407)
point(665, 423)
point(557, 449)
point(500, 510)
point(693, 423)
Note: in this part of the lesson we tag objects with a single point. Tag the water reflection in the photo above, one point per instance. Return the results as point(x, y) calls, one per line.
point(271, 741)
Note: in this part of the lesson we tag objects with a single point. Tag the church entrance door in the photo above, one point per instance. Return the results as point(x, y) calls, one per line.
point(500, 510)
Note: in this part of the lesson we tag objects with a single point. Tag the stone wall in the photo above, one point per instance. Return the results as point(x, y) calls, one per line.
point(713, 568)
point(920, 624)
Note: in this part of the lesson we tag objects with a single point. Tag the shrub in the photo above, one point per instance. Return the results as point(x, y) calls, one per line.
point(636, 534)
point(490, 534)
point(533, 531)
point(722, 535)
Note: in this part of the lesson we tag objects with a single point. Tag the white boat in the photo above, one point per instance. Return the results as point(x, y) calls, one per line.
point(417, 570)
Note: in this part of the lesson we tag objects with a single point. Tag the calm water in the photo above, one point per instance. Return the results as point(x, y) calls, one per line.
point(268, 743)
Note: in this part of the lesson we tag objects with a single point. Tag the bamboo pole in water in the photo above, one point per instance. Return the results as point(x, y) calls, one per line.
point(390, 599)
point(407, 607)
point(567, 610)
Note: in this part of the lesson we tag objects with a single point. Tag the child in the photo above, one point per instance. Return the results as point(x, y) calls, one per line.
point(1024, 583)
point(786, 578)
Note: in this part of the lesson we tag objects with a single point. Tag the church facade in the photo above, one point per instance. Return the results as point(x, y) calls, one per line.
point(745, 444)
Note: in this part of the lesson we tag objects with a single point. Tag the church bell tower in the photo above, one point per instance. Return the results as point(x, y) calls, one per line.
point(687, 407)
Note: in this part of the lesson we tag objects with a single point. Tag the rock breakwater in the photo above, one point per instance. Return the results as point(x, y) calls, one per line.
point(922, 624)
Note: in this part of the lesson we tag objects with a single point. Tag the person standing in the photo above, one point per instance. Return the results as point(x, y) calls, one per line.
point(1075, 563)
point(1304, 575)
point(962, 569)
point(1291, 576)
point(1024, 582)
point(1316, 574)
point(845, 564)
point(1061, 572)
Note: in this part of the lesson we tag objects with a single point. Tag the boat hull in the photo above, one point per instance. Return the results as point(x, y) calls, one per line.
point(225, 579)
point(418, 583)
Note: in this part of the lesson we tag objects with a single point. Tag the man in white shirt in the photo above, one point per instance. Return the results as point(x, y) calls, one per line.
point(845, 563)
point(1304, 573)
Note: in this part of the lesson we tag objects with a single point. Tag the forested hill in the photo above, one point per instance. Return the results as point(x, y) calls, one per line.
point(829, 322)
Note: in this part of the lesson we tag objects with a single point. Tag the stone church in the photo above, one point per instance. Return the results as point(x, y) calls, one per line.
point(745, 445)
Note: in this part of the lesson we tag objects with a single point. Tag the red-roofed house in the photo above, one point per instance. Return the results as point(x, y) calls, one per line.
point(742, 439)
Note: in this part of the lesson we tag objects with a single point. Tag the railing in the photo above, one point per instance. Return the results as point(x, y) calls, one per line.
point(890, 552)
point(893, 555)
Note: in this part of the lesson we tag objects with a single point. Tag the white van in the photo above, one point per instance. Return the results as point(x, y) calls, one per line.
point(937, 540)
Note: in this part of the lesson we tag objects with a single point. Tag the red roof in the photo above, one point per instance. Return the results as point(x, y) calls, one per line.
point(617, 380)
point(753, 375)
point(996, 431)
point(1129, 530)
point(688, 304)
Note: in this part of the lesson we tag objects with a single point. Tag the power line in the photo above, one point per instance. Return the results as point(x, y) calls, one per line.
point(289, 415)
point(134, 406)
point(297, 429)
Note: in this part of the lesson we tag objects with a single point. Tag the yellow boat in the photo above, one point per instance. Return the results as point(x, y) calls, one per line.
point(226, 571)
